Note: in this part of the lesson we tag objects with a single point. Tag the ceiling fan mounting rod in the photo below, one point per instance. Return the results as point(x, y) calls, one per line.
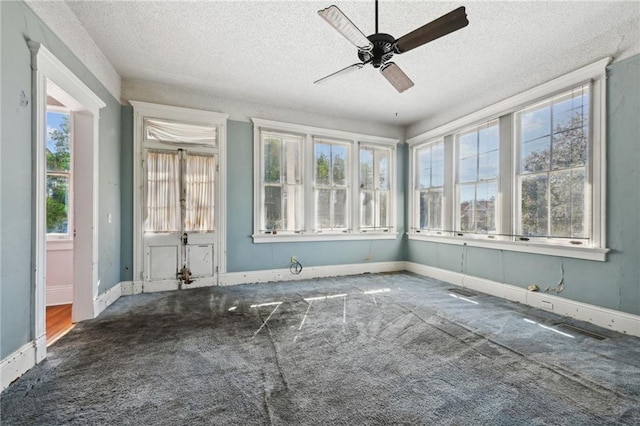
point(376, 16)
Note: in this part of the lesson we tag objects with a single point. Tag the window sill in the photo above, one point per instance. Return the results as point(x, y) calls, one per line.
point(586, 253)
point(295, 238)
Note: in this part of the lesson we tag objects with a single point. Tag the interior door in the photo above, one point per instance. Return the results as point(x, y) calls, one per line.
point(180, 216)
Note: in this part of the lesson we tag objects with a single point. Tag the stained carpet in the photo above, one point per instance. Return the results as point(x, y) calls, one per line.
point(370, 349)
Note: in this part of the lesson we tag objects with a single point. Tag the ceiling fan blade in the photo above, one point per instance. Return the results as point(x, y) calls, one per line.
point(442, 26)
point(396, 77)
point(344, 26)
point(343, 71)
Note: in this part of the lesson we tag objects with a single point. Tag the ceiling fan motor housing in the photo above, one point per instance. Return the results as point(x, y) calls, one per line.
point(382, 50)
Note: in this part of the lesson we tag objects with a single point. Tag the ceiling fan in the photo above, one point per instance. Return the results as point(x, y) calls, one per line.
point(377, 49)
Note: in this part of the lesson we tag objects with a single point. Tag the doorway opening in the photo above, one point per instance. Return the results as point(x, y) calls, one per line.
point(59, 206)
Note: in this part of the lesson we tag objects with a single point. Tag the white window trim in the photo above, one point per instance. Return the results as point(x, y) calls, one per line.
point(187, 115)
point(308, 133)
point(596, 73)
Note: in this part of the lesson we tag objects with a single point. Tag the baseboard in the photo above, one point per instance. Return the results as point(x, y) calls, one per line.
point(130, 288)
point(603, 317)
point(16, 364)
point(234, 278)
point(59, 295)
point(107, 298)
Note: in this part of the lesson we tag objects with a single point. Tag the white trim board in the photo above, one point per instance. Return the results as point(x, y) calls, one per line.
point(603, 317)
point(103, 301)
point(309, 272)
point(16, 364)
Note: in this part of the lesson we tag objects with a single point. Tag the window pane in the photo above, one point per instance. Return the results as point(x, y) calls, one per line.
point(163, 192)
point(567, 203)
point(569, 149)
point(383, 205)
point(485, 208)
point(468, 169)
point(535, 155)
point(291, 172)
point(57, 204)
point(340, 208)
point(199, 202)
point(488, 139)
point(430, 209)
point(535, 124)
point(468, 145)
point(366, 168)
point(58, 142)
point(292, 207)
point(339, 164)
point(383, 169)
point(273, 207)
point(533, 206)
point(323, 209)
point(437, 161)
point(272, 151)
point(366, 209)
point(488, 165)
point(323, 163)
point(467, 203)
point(424, 168)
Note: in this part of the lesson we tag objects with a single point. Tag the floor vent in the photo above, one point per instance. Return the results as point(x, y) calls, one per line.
point(582, 331)
point(463, 292)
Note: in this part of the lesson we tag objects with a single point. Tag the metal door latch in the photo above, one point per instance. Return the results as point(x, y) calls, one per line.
point(185, 239)
point(185, 275)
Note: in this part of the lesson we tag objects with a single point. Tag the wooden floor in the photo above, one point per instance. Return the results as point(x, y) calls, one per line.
point(58, 322)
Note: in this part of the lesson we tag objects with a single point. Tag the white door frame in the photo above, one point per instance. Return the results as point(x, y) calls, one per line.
point(50, 75)
point(188, 115)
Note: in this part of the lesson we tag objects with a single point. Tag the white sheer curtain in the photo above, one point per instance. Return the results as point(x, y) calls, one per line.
point(163, 192)
point(171, 131)
point(199, 182)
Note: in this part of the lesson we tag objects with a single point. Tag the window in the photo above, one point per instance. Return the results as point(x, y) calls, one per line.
point(375, 188)
point(477, 183)
point(331, 184)
point(317, 184)
point(59, 166)
point(430, 169)
point(281, 186)
point(552, 142)
point(526, 174)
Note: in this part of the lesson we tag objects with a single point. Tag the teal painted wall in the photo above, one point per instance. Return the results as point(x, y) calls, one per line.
point(613, 284)
point(244, 255)
point(126, 191)
point(18, 23)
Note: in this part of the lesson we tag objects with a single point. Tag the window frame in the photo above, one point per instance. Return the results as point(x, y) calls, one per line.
point(391, 152)
point(506, 220)
point(310, 135)
point(68, 236)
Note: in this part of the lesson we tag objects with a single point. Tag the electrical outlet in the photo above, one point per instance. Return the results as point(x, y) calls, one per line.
point(546, 305)
point(294, 259)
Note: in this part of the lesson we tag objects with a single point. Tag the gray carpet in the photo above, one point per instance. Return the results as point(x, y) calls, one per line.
point(382, 349)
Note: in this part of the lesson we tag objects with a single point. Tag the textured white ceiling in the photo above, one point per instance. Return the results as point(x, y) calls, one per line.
point(271, 52)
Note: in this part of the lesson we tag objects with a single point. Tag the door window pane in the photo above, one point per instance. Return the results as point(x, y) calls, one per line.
point(163, 192)
point(199, 188)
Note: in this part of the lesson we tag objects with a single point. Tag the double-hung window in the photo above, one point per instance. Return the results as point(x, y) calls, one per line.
point(429, 184)
point(552, 142)
point(281, 183)
point(477, 181)
point(321, 184)
point(526, 174)
point(331, 184)
point(375, 187)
